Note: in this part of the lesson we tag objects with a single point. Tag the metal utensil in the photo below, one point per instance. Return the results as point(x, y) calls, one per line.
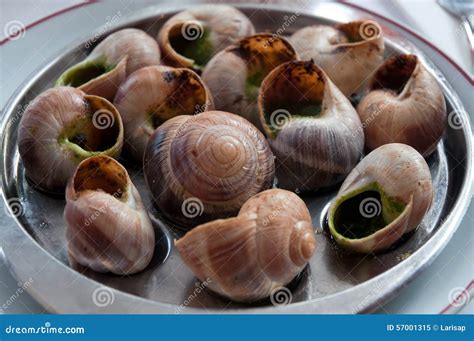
point(464, 10)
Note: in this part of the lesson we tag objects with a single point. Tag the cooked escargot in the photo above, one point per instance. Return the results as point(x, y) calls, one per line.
point(154, 94)
point(204, 167)
point(60, 128)
point(107, 226)
point(385, 196)
point(311, 126)
point(348, 53)
point(235, 74)
point(190, 38)
point(405, 105)
point(246, 257)
point(110, 62)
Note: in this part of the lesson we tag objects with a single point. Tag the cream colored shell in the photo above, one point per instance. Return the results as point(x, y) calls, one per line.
point(107, 225)
point(348, 53)
point(245, 258)
point(403, 175)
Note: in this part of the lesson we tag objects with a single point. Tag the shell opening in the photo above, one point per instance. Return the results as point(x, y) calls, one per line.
point(363, 212)
point(188, 97)
point(96, 131)
point(83, 72)
point(297, 91)
point(394, 73)
point(101, 173)
point(192, 40)
point(262, 53)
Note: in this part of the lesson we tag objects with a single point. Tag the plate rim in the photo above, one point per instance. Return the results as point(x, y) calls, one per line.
point(424, 255)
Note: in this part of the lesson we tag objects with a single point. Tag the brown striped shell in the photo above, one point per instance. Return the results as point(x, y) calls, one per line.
point(61, 127)
point(385, 196)
point(206, 166)
point(404, 104)
point(111, 61)
point(312, 128)
point(348, 53)
point(234, 75)
point(154, 94)
point(246, 257)
point(190, 38)
point(107, 226)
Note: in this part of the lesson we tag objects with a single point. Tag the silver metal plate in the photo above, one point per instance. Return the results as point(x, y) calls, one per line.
point(333, 282)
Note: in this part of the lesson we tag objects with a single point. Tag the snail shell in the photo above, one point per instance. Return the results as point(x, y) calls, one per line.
point(234, 75)
point(348, 53)
point(311, 126)
point(204, 167)
point(154, 94)
point(60, 128)
point(405, 104)
point(263, 248)
point(385, 196)
point(110, 62)
point(107, 226)
point(190, 38)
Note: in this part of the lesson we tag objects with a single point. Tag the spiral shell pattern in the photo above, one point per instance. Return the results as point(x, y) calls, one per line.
point(216, 157)
point(256, 254)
